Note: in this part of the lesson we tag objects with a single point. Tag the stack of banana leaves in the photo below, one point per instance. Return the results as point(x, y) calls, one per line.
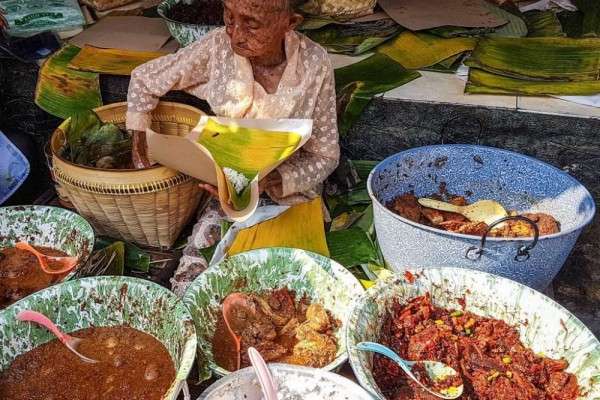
point(535, 66)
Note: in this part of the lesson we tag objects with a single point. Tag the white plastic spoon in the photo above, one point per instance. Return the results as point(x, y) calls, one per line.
point(264, 375)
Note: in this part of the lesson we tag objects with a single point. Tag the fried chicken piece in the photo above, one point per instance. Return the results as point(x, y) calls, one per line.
point(407, 206)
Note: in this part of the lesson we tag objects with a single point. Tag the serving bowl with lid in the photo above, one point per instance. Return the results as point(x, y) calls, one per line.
point(516, 181)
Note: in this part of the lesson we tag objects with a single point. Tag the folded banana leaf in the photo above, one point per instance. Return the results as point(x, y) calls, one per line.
point(562, 59)
point(483, 82)
point(364, 167)
point(419, 50)
point(354, 39)
point(62, 91)
point(134, 258)
point(351, 247)
point(358, 83)
point(459, 31)
point(449, 65)
point(301, 227)
point(110, 61)
point(543, 24)
point(516, 26)
point(590, 9)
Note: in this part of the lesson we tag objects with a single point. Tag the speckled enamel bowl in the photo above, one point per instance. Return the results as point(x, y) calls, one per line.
point(322, 280)
point(185, 34)
point(45, 226)
point(518, 182)
point(104, 301)
point(293, 382)
point(544, 325)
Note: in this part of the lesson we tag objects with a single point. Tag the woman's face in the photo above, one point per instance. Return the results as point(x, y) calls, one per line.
point(257, 27)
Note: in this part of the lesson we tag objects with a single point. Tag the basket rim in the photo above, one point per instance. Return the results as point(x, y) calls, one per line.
point(108, 107)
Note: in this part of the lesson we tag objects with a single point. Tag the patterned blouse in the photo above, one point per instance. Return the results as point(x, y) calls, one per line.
point(210, 70)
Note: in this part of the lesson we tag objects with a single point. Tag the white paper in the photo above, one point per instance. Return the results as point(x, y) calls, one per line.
point(547, 5)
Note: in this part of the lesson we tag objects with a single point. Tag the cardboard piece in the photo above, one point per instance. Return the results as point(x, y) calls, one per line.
point(128, 33)
point(185, 154)
point(418, 14)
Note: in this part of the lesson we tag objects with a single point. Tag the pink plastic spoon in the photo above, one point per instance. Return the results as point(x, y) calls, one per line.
point(67, 263)
point(234, 305)
point(69, 341)
point(264, 375)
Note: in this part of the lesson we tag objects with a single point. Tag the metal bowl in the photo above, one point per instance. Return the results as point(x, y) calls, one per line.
point(104, 301)
point(544, 325)
point(293, 382)
point(520, 183)
point(184, 33)
point(322, 280)
point(52, 227)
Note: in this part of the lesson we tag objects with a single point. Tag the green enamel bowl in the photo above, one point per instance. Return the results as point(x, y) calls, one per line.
point(104, 301)
point(544, 325)
point(322, 280)
point(184, 33)
point(46, 226)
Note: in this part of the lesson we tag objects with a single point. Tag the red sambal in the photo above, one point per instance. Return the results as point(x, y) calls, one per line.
point(488, 354)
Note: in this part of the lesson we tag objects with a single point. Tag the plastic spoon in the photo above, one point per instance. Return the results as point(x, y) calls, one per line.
point(488, 211)
point(264, 375)
point(241, 302)
point(69, 341)
point(67, 263)
point(436, 371)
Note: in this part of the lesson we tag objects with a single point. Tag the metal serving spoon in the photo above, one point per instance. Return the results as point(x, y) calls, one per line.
point(264, 375)
point(436, 371)
point(488, 211)
point(69, 341)
point(67, 263)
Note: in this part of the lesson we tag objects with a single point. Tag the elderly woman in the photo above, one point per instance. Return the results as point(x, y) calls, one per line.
point(257, 66)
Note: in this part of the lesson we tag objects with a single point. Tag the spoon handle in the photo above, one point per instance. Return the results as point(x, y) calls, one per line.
point(440, 205)
point(41, 319)
point(264, 375)
point(385, 351)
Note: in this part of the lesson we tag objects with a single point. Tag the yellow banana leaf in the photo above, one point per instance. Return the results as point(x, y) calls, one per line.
point(420, 50)
point(62, 91)
point(482, 82)
point(550, 58)
point(110, 61)
point(246, 151)
point(543, 24)
point(301, 227)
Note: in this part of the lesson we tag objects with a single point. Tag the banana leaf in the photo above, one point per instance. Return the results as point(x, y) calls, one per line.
point(516, 26)
point(543, 24)
point(110, 61)
point(61, 91)
point(300, 227)
point(354, 39)
point(590, 9)
point(419, 50)
point(449, 65)
point(316, 22)
point(561, 59)
point(135, 259)
point(459, 31)
point(483, 82)
point(364, 167)
point(114, 259)
point(351, 247)
point(572, 23)
point(246, 151)
point(358, 83)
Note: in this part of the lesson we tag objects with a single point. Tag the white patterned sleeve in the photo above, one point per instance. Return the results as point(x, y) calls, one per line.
point(182, 70)
point(319, 157)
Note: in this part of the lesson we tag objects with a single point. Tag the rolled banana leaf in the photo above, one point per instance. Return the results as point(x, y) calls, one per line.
point(358, 83)
point(556, 59)
point(62, 91)
point(419, 50)
point(483, 82)
point(543, 24)
point(110, 61)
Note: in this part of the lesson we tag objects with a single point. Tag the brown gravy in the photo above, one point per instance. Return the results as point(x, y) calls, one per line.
point(132, 365)
point(21, 275)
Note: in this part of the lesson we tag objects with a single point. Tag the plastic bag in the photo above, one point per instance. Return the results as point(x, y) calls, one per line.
point(29, 17)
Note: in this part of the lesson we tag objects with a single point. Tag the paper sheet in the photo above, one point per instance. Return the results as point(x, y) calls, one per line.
point(546, 5)
point(425, 14)
point(128, 33)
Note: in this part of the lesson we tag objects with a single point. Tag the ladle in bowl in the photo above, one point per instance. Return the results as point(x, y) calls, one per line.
point(488, 211)
point(69, 341)
point(67, 263)
point(264, 375)
point(233, 307)
point(436, 371)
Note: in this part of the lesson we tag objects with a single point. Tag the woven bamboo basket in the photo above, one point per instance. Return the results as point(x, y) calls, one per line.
point(149, 207)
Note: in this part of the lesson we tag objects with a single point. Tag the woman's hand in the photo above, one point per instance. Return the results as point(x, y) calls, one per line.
point(139, 151)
